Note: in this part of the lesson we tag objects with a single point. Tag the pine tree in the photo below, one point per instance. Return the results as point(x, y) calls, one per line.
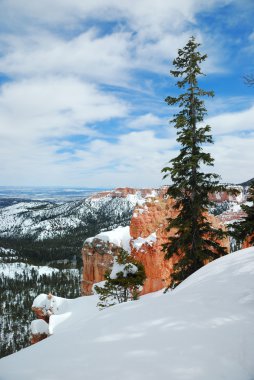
point(123, 283)
point(244, 229)
point(195, 240)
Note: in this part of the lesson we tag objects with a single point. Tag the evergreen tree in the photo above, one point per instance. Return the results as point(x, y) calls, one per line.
point(245, 228)
point(195, 240)
point(123, 283)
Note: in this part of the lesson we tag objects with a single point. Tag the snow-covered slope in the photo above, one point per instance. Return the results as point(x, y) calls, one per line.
point(15, 269)
point(202, 330)
point(44, 220)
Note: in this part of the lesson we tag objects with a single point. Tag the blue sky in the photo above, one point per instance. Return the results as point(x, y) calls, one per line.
point(83, 83)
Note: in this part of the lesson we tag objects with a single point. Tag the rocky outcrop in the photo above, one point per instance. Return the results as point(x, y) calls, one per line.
point(97, 259)
point(43, 309)
point(149, 219)
point(123, 192)
point(39, 330)
point(152, 219)
point(46, 307)
point(147, 235)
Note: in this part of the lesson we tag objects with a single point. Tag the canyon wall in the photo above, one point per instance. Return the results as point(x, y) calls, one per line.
point(147, 234)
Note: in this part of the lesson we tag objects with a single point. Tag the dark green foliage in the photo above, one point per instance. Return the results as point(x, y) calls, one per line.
point(245, 228)
point(41, 252)
point(125, 285)
point(195, 240)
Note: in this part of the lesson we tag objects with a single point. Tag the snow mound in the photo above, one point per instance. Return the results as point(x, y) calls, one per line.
point(120, 236)
point(51, 304)
point(202, 330)
point(39, 326)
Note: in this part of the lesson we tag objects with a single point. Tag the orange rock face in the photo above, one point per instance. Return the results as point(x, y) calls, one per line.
point(37, 338)
point(40, 314)
point(97, 259)
point(247, 242)
point(150, 219)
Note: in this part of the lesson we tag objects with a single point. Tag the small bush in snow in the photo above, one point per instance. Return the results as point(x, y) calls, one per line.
point(123, 283)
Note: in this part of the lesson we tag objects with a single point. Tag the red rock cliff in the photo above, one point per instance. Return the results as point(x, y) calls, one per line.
point(147, 234)
point(97, 259)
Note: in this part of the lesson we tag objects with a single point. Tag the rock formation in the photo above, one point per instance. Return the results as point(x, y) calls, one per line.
point(123, 192)
point(147, 234)
point(43, 309)
point(39, 330)
point(97, 259)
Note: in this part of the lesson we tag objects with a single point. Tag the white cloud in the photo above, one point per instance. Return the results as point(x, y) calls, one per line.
point(142, 14)
point(54, 107)
point(36, 113)
point(148, 35)
point(146, 120)
point(234, 158)
point(59, 55)
point(135, 159)
point(103, 59)
point(251, 37)
point(233, 122)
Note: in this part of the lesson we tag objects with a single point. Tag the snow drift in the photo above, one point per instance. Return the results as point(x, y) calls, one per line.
point(202, 330)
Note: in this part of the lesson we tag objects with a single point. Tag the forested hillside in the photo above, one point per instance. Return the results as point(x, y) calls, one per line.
point(20, 283)
point(46, 231)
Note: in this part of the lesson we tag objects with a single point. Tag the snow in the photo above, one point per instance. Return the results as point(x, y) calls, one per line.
point(56, 308)
point(39, 326)
point(12, 270)
point(136, 199)
point(100, 284)
point(124, 268)
point(137, 243)
point(51, 304)
point(44, 220)
point(238, 198)
point(120, 236)
point(235, 207)
point(153, 194)
point(202, 330)
point(7, 251)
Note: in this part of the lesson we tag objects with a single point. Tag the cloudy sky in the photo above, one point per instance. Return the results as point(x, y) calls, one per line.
point(83, 83)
